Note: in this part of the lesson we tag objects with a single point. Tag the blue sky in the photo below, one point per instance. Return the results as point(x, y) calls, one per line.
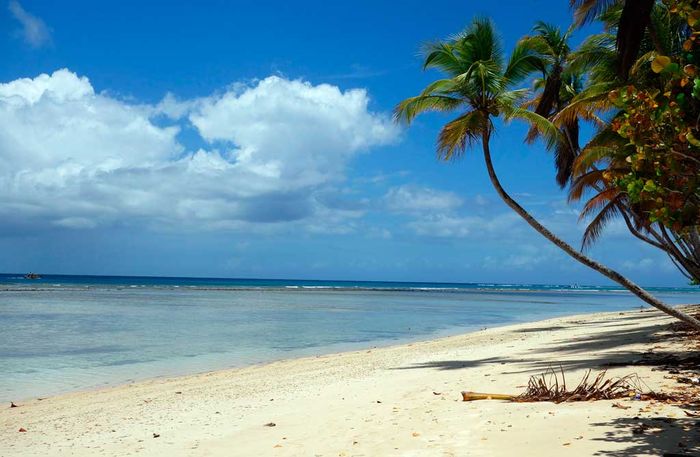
point(254, 139)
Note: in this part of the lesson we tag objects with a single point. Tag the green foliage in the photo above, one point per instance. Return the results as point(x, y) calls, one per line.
point(660, 169)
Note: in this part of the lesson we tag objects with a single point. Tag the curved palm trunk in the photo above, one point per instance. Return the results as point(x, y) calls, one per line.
point(610, 273)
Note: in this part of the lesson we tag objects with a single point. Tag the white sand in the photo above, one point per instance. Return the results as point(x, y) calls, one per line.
point(402, 400)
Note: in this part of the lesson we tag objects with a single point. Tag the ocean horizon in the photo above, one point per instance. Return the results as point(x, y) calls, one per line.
point(9, 281)
point(64, 333)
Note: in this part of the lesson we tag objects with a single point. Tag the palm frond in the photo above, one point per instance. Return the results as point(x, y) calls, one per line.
point(485, 78)
point(523, 62)
point(408, 109)
point(596, 55)
point(586, 11)
point(595, 228)
point(598, 201)
point(590, 155)
point(483, 41)
point(442, 57)
point(460, 134)
point(590, 180)
point(586, 104)
point(545, 128)
point(443, 87)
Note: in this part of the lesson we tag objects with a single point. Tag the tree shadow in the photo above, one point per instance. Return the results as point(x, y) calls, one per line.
point(611, 347)
point(455, 364)
point(658, 436)
point(618, 344)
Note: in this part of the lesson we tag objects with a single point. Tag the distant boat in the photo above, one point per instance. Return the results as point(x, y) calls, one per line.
point(32, 276)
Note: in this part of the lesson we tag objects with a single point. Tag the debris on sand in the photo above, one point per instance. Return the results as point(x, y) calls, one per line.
point(551, 386)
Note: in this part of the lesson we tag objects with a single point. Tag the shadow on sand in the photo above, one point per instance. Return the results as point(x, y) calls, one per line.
point(658, 436)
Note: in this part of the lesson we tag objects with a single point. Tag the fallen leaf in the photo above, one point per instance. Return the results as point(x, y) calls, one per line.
point(415, 434)
point(566, 444)
point(22, 430)
point(437, 393)
point(277, 445)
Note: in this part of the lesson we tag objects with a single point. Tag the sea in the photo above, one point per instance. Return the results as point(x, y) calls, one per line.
point(65, 333)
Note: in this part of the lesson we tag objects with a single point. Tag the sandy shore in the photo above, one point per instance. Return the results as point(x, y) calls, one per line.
point(402, 400)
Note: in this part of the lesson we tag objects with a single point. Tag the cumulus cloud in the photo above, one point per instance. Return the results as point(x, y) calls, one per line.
point(34, 30)
point(292, 130)
point(75, 158)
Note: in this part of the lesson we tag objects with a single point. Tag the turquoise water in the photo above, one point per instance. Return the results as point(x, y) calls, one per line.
point(65, 333)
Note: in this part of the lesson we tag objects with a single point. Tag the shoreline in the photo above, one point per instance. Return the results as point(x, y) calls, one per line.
point(395, 400)
point(337, 349)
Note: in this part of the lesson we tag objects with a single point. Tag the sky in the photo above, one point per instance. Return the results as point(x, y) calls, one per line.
point(255, 139)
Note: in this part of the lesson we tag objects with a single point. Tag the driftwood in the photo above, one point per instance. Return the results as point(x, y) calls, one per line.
point(471, 396)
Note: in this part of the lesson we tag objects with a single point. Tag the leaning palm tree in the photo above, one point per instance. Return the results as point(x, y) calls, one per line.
point(480, 85)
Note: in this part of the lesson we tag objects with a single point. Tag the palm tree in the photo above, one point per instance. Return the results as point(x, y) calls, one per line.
point(480, 84)
point(557, 86)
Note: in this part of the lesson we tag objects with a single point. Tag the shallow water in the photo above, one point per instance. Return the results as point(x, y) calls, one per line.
point(61, 338)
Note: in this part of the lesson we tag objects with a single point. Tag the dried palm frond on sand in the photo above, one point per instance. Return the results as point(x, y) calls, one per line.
point(551, 386)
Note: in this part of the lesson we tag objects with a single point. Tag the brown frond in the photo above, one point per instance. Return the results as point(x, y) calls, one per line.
point(599, 201)
point(457, 135)
point(596, 226)
point(584, 182)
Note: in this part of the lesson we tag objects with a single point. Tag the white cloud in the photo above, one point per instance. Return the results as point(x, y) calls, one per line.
point(292, 130)
point(34, 30)
point(415, 199)
point(80, 159)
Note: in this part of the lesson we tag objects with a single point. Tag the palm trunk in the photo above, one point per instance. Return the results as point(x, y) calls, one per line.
point(600, 268)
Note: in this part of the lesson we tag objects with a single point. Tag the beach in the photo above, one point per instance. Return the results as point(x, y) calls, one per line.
point(400, 400)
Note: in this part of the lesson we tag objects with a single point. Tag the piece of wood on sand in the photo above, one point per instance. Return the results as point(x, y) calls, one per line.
point(471, 396)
